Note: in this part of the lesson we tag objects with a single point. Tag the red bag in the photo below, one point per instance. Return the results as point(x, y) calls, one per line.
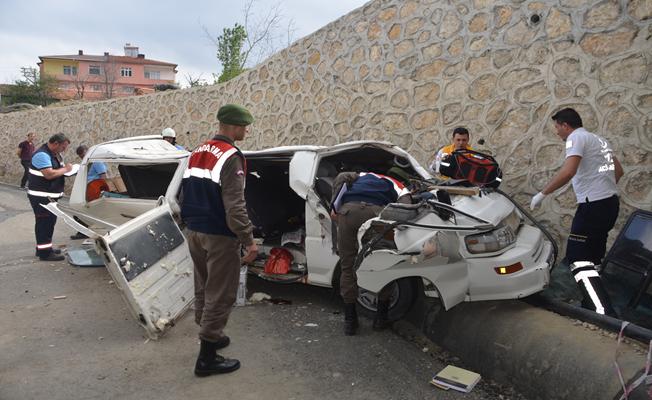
point(478, 168)
point(279, 261)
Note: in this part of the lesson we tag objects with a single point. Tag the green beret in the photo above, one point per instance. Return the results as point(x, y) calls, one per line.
point(234, 114)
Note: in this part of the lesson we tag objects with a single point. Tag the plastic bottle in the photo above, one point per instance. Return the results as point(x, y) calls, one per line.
point(241, 297)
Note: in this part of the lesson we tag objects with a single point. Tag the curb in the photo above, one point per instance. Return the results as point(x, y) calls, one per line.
point(542, 354)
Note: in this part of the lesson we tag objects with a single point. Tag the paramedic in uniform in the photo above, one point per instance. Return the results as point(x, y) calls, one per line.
point(461, 139)
point(358, 197)
point(46, 183)
point(213, 208)
point(594, 172)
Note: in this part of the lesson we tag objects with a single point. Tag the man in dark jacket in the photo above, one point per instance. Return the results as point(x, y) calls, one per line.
point(24, 152)
point(46, 182)
point(358, 197)
point(215, 214)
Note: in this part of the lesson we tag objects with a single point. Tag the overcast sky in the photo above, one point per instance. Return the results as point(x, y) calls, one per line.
point(163, 30)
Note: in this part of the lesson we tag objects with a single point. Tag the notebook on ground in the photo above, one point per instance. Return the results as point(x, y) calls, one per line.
point(456, 378)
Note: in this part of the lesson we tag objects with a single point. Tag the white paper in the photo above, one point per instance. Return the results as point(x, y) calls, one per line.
point(73, 171)
point(338, 200)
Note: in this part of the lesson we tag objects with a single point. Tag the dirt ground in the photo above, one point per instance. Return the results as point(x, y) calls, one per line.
point(87, 345)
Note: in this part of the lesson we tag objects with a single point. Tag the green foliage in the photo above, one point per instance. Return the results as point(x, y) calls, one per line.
point(229, 52)
point(34, 88)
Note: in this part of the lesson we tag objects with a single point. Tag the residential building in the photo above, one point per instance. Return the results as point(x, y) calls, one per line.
point(92, 77)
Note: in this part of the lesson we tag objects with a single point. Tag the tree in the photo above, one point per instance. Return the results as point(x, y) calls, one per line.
point(250, 42)
point(34, 88)
point(81, 81)
point(109, 76)
point(229, 52)
point(192, 81)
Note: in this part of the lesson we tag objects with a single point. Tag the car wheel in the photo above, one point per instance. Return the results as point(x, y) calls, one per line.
point(403, 294)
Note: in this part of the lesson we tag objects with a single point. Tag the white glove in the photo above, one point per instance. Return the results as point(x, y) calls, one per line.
point(536, 200)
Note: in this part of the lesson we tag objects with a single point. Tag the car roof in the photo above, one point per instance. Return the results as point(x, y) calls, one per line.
point(138, 147)
point(154, 147)
point(318, 149)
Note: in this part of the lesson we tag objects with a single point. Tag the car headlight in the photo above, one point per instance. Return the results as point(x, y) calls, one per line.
point(498, 239)
point(513, 220)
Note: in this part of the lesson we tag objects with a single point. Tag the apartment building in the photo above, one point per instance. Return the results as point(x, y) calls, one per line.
point(94, 77)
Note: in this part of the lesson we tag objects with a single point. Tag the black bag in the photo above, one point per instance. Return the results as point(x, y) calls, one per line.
point(478, 168)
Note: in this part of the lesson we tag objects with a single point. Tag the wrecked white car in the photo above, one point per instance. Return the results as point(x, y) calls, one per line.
point(476, 247)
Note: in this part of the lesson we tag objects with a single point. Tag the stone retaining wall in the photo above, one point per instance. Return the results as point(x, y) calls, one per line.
point(409, 72)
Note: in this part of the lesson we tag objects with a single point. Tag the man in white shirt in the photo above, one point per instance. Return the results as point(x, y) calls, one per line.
point(594, 172)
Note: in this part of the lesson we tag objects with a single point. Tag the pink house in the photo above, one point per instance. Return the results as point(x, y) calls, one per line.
point(93, 77)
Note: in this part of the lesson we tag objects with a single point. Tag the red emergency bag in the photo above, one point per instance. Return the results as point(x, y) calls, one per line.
point(279, 261)
point(478, 168)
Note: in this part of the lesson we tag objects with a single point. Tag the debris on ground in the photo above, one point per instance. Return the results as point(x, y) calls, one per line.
point(258, 297)
point(59, 297)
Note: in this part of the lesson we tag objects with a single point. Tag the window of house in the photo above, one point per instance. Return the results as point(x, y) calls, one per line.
point(152, 74)
point(127, 89)
point(94, 70)
point(96, 88)
point(69, 70)
point(64, 85)
point(125, 71)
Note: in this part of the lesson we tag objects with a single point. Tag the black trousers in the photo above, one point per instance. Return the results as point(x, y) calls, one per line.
point(44, 226)
point(25, 164)
point(591, 225)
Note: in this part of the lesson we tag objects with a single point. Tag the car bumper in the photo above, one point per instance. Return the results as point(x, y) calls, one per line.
point(531, 250)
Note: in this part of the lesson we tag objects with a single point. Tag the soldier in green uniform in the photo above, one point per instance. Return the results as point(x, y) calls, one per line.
point(215, 214)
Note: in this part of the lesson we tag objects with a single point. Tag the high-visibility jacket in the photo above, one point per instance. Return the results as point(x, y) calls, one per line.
point(39, 186)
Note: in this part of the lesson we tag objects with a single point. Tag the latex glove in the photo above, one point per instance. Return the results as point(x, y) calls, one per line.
point(536, 200)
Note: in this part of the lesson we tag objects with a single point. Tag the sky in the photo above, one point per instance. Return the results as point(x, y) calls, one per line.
point(164, 30)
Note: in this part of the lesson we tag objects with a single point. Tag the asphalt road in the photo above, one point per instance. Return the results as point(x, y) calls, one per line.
point(87, 346)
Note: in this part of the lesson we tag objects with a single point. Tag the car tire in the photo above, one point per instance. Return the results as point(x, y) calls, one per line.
point(404, 293)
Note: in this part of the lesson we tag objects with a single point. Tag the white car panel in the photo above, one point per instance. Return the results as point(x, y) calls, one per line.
point(450, 279)
point(302, 172)
point(70, 221)
point(149, 261)
point(318, 243)
point(141, 148)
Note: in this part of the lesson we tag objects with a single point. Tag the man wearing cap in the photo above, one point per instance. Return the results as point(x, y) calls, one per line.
point(170, 136)
point(215, 213)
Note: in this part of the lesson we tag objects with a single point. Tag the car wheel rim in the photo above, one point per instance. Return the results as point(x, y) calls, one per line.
point(369, 299)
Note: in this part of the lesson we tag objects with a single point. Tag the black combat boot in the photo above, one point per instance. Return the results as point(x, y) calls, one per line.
point(210, 363)
point(381, 321)
point(350, 319)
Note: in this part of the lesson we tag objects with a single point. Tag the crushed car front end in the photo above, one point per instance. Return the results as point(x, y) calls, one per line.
point(478, 247)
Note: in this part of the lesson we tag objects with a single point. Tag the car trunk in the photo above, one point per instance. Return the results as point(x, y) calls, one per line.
point(134, 189)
